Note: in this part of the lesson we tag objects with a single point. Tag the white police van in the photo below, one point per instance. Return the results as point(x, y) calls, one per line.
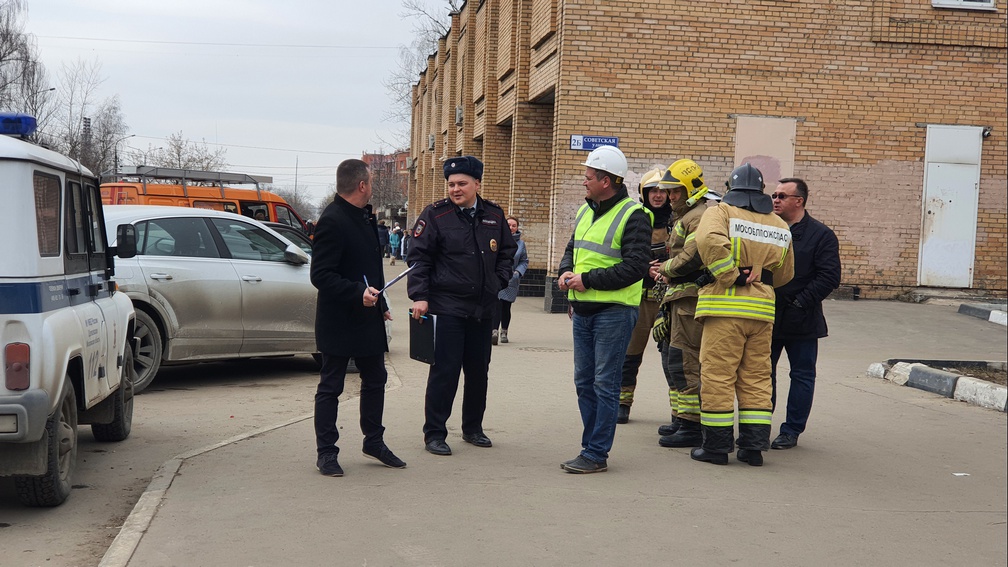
point(65, 331)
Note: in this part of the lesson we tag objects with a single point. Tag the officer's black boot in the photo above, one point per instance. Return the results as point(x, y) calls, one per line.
point(751, 456)
point(688, 435)
point(623, 415)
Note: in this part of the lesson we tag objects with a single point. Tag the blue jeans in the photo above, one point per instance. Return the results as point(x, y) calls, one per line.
point(600, 344)
point(802, 355)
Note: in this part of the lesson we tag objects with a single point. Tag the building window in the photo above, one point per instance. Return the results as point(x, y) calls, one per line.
point(964, 4)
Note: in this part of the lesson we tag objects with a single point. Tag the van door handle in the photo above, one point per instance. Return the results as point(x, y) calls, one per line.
point(160, 276)
point(251, 278)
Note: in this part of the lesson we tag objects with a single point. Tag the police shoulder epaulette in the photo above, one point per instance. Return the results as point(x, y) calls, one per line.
point(492, 204)
point(441, 203)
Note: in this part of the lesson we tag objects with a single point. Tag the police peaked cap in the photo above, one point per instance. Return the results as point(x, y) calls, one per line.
point(468, 165)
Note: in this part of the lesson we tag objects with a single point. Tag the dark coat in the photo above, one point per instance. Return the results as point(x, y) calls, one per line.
point(816, 275)
point(461, 262)
point(344, 251)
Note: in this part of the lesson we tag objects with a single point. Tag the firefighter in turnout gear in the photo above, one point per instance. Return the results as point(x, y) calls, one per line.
point(745, 247)
point(656, 200)
point(688, 193)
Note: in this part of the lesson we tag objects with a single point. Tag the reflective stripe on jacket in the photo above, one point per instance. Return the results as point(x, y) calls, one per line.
point(683, 256)
point(597, 244)
point(730, 238)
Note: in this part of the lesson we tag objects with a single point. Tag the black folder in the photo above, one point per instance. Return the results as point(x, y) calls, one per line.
point(421, 338)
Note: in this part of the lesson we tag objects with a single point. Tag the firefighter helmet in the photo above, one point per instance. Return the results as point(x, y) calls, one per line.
point(687, 174)
point(608, 159)
point(746, 178)
point(745, 190)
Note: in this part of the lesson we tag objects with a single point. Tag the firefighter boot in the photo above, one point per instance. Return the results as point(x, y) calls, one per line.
point(669, 428)
point(701, 454)
point(688, 435)
point(625, 401)
point(751, 456)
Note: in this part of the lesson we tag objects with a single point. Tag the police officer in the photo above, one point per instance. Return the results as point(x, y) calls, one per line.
point(462, 252)
point(744, 246)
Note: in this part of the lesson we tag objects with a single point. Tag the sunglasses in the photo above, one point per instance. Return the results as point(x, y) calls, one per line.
point(782, 196)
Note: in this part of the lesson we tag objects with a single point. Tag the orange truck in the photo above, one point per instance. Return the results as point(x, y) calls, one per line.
point(146, 185)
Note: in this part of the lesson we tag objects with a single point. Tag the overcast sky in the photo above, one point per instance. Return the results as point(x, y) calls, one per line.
point(286, 86)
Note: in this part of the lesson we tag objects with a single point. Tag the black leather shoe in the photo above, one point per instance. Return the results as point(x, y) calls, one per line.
point(582, 465)
point(669, 428)
point(328, 465)
point(701, 454)
point(623, 415)
point(386, 457)
point(754, 458)
point(438, 447)
point(784, 441)
point(477, 439)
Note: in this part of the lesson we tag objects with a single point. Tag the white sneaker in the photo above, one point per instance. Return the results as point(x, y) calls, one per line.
point(493, 338)
point(503, 336)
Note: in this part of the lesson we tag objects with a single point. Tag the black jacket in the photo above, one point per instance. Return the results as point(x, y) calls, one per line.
point(816, 275)
point(635, 250)
point(461, 261)
point(344, 251)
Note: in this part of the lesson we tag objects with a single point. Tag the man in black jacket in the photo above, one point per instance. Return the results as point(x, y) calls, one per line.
point(799, 321)
point(350, 316)
point(462, 254)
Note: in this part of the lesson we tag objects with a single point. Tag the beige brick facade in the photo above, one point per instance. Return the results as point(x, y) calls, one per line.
point(860, 78)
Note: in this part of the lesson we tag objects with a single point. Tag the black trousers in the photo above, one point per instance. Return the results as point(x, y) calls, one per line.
point(372, 400)
point(461, 344)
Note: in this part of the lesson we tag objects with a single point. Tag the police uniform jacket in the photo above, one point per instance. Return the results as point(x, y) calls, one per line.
point(461, 262)
point(345, 250)
point(817, 274)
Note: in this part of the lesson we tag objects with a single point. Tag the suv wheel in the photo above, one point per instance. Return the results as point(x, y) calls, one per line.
point(122, 400)
point(53, 487)
point(147, 359)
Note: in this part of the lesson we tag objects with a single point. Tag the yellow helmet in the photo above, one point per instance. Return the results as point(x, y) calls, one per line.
point(650, 179)
point(687, 174)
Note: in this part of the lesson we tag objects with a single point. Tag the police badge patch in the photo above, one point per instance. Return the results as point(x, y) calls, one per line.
point(419, 228)
point(493, 245)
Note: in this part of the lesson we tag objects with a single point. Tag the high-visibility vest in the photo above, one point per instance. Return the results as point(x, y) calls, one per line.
point(597, 243)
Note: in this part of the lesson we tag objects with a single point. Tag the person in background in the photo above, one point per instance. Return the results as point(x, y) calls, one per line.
point(395, 238)
point(800, 322)
point(383, 238)
point(462, 253)
point(509, 295)
point(350, 316)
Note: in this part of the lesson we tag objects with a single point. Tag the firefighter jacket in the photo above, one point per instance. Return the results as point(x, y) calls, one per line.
point(684, 265)
point(611, 249)
point(817, 274)
point(460, 261)
point(731, 239)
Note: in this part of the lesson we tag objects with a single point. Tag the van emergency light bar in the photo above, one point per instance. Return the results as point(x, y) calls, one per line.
point(16, 124)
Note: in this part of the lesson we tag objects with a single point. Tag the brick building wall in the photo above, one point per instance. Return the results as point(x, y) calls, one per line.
point(860, 79)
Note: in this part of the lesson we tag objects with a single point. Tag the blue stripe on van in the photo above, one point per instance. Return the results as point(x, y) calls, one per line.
point(40, 297)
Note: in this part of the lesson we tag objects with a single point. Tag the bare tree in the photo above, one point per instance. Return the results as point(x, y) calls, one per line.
point(24, 84)
point(387, 183)
point(431, 21)
point(181, 153)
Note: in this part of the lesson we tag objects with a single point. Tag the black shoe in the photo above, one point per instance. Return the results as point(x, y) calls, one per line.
point(623, 415)
point(564, 464)
point(688, 435)
point(669, 428)
point(386, 456)
point(328, 465)
point(784, 441)
point(477, 439)
point(582, 465)
point(438, 447)
point(701, 454)
point(754, 458)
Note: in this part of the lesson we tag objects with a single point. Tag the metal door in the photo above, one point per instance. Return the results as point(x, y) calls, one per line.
point(949, 216)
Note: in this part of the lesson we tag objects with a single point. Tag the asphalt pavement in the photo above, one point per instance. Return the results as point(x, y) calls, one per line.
point(883, 475)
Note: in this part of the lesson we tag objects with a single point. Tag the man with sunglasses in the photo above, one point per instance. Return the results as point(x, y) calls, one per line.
point(800, 322)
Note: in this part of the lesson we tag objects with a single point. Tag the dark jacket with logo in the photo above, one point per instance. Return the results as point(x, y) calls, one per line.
point(816, 274)
point(461, 261)
point(344, 251)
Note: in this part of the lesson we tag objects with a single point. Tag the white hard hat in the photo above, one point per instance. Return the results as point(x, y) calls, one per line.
point(608, 159)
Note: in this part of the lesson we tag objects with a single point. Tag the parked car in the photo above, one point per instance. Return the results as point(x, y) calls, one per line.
point(65, 330)
point(293, 234)
point(212, 285)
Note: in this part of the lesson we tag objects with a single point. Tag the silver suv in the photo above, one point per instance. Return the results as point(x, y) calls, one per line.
point(65, 330)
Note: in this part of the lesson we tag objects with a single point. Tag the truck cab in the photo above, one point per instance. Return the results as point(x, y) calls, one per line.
point(65, 330)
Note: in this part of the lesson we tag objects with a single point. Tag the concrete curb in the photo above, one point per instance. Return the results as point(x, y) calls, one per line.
point(920, 375)
point(987, 312)
point(136, 524)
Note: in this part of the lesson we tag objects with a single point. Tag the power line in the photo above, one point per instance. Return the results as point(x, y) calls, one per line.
point(218, 44)
point(258, 147)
